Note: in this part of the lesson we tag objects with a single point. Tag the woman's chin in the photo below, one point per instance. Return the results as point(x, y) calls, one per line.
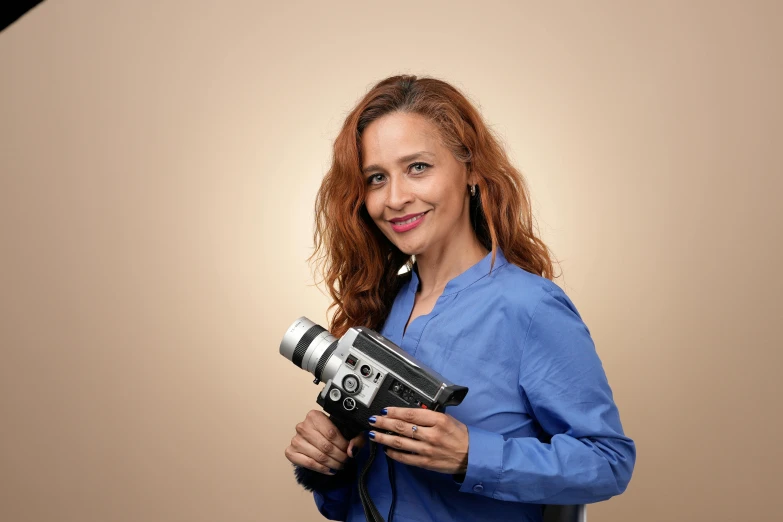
point(409, 249)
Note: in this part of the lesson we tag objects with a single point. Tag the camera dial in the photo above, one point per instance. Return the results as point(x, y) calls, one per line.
point(351, 384)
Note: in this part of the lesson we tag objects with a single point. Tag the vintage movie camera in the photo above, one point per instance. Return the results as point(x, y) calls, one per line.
point(364, 372)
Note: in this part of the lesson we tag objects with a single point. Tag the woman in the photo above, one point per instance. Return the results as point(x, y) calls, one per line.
point(416, 172)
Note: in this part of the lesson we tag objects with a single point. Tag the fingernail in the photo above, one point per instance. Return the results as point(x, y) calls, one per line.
point(384, 412)
point(372, 419)
point(353, 452)
point(333, 471)
point(371, 434)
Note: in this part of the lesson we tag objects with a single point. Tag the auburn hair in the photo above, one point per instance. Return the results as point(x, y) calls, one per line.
point(360, 266)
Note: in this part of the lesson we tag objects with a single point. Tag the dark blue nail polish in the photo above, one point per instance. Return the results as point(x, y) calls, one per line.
point(384, 412)
point(353, 452)
point(372, 419)
point(333, 471)
point(371, 434)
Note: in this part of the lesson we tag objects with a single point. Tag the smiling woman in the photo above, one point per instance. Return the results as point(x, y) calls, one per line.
point(423, 127)
point(418, 179)
point(422, 208)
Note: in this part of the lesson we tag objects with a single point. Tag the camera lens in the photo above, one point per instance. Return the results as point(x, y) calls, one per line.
point(365, 370)
point(310, 347)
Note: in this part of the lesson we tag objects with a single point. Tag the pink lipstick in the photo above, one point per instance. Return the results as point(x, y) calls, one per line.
point(405, 223)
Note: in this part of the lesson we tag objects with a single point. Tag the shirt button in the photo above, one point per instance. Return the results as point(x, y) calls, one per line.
point(478, 488)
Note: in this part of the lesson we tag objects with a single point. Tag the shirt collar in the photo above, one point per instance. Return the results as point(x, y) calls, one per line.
point(466, 278)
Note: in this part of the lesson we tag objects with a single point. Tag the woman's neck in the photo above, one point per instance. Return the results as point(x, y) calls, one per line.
point(437, 268)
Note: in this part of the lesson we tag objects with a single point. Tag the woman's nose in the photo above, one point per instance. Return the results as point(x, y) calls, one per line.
point(399, 194)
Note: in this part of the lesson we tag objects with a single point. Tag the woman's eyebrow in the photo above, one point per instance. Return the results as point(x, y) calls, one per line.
point(404, 159)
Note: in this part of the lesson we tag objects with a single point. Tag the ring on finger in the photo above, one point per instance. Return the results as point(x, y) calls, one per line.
point(415, 428)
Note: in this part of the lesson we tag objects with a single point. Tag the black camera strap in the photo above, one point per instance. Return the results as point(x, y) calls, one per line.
point(371, 512)
point(393, 482)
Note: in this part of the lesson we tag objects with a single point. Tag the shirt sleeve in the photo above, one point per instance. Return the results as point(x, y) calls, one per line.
point(561, 379)
point(333, 504)
point(332, 494)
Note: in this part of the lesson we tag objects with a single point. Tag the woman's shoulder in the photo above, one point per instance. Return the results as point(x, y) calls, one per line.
point(526, 291)
point(514, 280)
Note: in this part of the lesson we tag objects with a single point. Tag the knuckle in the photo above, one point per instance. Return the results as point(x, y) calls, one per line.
point(331, 433)
point(321, 458)
point(291, 455)
point(300, 428)
point(397, 442)
point(327, 447)
point(409, 415)
point(399, 426)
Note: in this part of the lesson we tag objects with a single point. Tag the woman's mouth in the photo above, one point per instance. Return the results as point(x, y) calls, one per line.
point(405, 223)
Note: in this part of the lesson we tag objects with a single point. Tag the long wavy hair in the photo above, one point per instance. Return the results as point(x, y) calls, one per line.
point(359, 265)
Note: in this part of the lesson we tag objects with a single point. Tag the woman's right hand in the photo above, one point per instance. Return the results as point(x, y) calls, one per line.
point(318, 445)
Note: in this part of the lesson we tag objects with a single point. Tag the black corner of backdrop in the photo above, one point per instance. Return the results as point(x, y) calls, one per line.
point(11, 11)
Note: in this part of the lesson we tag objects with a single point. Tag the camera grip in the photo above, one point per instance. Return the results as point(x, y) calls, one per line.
point(347, 429)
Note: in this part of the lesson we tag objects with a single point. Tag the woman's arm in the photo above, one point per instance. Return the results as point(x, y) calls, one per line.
point(332, 494)
point(588, 458)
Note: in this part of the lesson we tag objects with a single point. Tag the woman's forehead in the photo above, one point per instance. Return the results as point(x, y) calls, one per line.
point(399, 134)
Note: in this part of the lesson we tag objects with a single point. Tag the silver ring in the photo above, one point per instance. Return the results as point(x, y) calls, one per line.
point(415, 428)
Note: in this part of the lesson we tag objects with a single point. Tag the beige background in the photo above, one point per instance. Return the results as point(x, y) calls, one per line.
point(158, 165)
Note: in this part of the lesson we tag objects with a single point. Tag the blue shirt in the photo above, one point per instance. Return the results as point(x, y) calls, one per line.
point(542, 423)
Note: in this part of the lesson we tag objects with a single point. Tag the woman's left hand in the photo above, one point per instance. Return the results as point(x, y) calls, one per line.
point(436, 441)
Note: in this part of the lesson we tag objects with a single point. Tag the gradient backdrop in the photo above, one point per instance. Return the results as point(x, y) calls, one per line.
point(158, 166)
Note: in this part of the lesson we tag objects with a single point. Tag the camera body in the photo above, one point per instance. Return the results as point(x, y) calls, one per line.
point(364, 372)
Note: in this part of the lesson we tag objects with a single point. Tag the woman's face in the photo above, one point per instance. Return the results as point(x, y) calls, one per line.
point(416, 189)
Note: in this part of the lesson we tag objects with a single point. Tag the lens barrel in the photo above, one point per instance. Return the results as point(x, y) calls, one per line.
point(308, 345)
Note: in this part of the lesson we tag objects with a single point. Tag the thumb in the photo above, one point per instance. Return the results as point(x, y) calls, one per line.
point(356, 444)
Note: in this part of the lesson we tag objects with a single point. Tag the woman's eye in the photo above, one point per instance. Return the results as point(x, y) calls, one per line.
point(419, 167)
point(375, 179)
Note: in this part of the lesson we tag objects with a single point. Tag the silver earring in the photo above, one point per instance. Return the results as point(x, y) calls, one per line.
point(473, 190)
